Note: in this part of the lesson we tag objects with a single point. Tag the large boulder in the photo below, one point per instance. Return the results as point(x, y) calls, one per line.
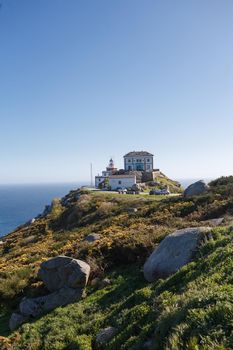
point(65, 278)
point(16, 320)
point(64, 271)
point(195, 189)
point(34, 307)
point(175, 251)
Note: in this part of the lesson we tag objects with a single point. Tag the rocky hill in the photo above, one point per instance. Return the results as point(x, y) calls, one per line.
point(162, 182)
point(189, 306)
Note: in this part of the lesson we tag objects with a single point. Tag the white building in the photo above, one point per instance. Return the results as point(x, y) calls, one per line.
point(139, 161)
point(121, 181)
point(100, 179)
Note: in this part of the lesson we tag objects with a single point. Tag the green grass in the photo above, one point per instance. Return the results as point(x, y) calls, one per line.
point(14, 283)
point(192, 309)
point(128, 197)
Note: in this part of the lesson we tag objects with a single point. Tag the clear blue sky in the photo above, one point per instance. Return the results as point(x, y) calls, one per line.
point(83, 80)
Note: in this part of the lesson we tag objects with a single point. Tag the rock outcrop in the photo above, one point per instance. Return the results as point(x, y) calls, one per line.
point(36, 306)
point(16, 320)
point(65, 278)
point(105, 335)
point(175, 251)
point(196, 189)
point(92, 237)
point(64, 271)
point(215, 222)
point(29, 240)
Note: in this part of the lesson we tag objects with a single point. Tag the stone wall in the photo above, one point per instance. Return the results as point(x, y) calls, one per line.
point(150, 176)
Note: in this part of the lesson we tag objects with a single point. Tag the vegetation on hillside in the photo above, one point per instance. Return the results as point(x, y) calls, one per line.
point(191, 310)
point(163, 181)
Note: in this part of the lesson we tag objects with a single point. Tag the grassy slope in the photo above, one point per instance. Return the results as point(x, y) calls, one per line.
point(190, 310)
point(174, 186)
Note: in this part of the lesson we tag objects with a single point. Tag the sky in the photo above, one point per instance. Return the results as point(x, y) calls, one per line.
point(84, 80)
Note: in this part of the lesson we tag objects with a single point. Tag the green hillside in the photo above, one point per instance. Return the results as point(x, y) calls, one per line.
point(193, 309)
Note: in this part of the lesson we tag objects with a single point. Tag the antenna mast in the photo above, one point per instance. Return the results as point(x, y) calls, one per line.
point(91, 173)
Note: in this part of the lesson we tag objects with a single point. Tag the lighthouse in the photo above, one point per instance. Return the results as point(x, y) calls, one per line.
point(110, 170)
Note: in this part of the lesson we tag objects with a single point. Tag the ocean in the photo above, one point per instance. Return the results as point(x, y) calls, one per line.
point(21, 203)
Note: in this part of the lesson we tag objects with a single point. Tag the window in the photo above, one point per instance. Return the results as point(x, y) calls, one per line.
point(129, 160)
point(139, 167)
point(148, 160)
point(119, 182)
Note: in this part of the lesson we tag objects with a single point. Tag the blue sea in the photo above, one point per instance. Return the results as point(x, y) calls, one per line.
point(21, 203)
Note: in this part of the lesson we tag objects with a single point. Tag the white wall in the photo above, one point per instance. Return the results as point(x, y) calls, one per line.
point(124, 182)
point(98, 180)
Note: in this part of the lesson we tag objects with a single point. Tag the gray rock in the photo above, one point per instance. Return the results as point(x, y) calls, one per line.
point(175, 251)
point(64, 271)
point(215, 222)
point(37, 306)
point(30, 307)
point(16, 320)
point(105, 283)
point(92, 237)
point(105, 335)
point(101, 283)
point(28, 240)
point(147, 344)
point(65, 277)
point(136, 187)
point(195, 189)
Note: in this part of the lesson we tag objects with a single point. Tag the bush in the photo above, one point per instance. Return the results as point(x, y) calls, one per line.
point(82, 342)
point(14, 283)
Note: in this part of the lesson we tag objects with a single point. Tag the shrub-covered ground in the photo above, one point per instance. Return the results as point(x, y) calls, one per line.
point(191, 310)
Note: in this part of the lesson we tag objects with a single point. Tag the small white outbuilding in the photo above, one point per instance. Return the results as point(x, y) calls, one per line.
point(121, 181)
